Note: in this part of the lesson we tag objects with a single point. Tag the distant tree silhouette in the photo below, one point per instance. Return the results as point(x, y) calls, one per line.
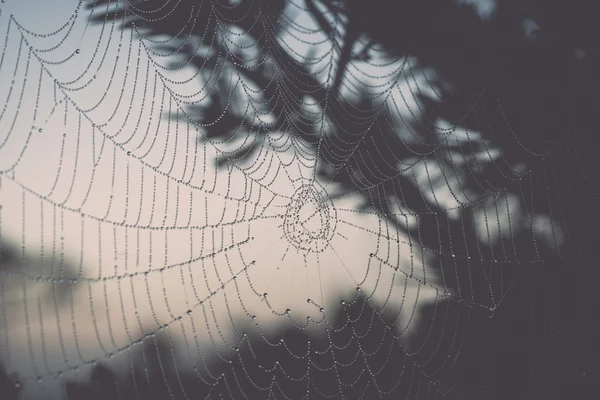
point(259, 359)
point(9, 385)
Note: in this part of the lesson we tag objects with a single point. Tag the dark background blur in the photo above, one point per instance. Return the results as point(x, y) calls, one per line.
point(521, 73)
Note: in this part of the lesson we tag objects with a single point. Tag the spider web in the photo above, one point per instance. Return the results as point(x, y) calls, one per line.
point(207, 188)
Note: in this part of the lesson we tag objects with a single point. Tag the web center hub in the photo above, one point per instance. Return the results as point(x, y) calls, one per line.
point(310, 219)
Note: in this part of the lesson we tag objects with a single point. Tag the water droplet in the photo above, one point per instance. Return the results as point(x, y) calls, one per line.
point(343, 302)
point(77, 51)
point(288, 311)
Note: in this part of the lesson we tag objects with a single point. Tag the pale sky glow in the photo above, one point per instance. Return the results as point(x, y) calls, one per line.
point(87, 175)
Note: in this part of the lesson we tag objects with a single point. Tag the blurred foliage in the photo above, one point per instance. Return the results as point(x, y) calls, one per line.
point(525, 78)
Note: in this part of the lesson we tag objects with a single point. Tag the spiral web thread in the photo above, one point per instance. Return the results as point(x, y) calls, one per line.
point(108, 138)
